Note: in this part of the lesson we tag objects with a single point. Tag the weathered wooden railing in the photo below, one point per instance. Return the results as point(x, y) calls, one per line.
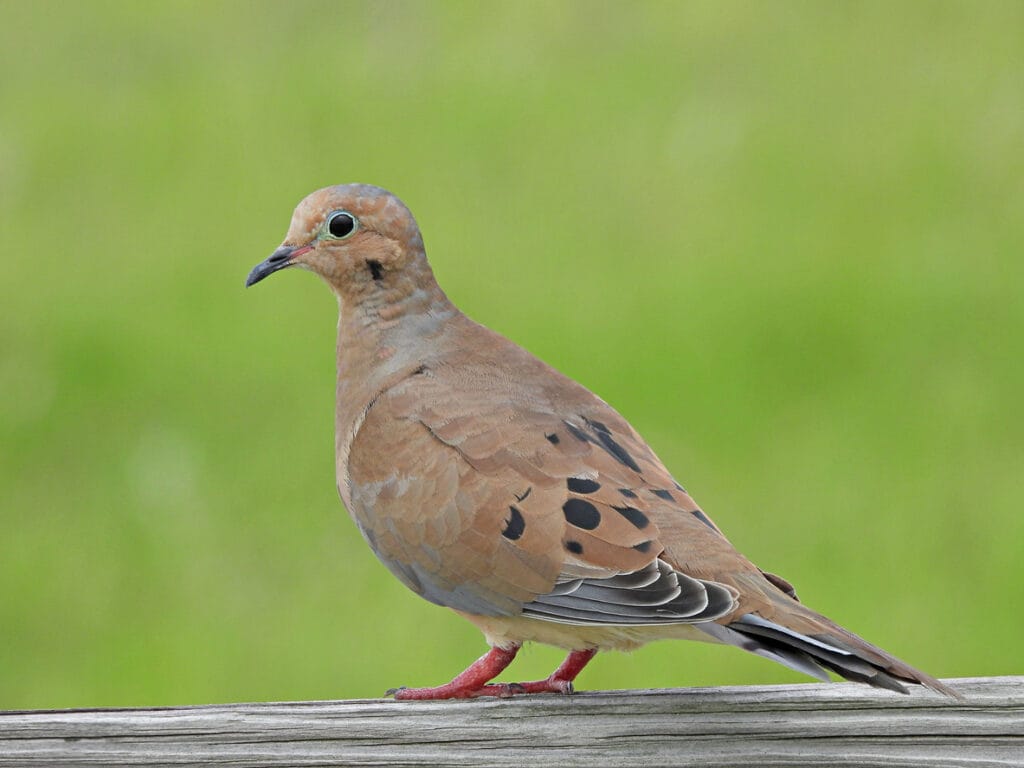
point(807, 725)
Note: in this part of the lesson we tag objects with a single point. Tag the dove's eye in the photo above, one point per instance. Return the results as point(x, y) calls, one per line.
point(341, 224)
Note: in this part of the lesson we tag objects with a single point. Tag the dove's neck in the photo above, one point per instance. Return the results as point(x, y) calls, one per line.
point(387, 330)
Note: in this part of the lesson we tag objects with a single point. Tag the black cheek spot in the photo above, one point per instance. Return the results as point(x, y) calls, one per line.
point(582, 514)
point(376, 268)
point(582, 485)
point(627, 493)
point(575, 547)
point(643, 546)
point(515, 525)
point(661, 494)
point(635, 516)
point(552, 438)
point(704, 519)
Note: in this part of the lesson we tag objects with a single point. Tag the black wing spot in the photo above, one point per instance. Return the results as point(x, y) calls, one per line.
point(643, 546)
point(582, 485)
point(607, 442)
point(578, 433)
point(662, 494)
point(524, 494)
point(635, 516)
point(575, 547)
point(704, 519)
point(515, 525)
point(678, 486)
point(552, 438)
point(627, 493)
point(582, 514)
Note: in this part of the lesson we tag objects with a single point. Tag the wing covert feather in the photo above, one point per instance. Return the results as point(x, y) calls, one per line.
point(485, 503)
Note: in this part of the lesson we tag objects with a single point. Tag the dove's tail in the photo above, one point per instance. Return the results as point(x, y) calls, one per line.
point(825, 647)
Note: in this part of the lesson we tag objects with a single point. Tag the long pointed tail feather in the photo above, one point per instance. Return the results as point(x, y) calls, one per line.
point(833, 648)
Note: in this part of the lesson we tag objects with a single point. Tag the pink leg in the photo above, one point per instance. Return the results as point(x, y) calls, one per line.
point(473, 682)
point(559, 681)
point(469, 683)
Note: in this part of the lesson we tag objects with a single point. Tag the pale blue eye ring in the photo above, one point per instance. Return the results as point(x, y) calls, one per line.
point(341, 224)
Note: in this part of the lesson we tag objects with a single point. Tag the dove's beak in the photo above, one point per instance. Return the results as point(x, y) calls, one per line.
point(279, 259)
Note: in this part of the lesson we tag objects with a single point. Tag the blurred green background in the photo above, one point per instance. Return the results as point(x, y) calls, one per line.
point(784, 239)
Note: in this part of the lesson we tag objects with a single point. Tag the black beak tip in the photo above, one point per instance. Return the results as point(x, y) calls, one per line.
point(254, 277)
point(279, 259)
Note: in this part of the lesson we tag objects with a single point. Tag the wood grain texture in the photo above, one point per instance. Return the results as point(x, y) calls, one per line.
point(792, 725)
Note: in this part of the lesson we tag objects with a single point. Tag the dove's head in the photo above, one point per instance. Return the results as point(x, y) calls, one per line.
point(355, 236)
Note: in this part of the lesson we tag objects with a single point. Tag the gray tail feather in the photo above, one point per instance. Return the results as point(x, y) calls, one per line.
point(813, 655)
point(794, 659)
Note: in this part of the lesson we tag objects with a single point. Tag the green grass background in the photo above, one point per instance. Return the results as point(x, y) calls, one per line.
point(784, 239)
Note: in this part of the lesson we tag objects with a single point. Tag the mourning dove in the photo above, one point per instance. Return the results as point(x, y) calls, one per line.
point(488, 482)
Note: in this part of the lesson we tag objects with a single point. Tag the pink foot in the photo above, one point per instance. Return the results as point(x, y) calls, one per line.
point(474, 681)
point(469, 683)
